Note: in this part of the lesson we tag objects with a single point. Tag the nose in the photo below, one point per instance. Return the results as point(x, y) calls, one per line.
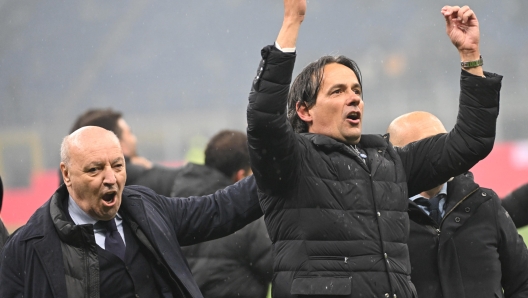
point(109, 176)
point(353, 99)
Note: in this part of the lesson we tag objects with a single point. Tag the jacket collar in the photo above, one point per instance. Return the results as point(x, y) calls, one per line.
point(374, 146)
point(459, 188)
point(366, 141)
point(69, 233)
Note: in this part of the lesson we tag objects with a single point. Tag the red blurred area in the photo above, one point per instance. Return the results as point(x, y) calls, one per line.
point(505, 169)
point(20, 203)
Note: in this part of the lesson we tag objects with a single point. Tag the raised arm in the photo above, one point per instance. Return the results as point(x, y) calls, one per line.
point(200, 218)
point(294, 11)
point(432, 161)
point(272, 142)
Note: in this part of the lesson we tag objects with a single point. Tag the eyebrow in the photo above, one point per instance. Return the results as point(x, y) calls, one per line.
point(98, 163)
point(119, 159)
point(93, 164)
point(340, 85)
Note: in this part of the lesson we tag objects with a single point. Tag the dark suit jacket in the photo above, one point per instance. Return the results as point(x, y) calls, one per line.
point(33, 260)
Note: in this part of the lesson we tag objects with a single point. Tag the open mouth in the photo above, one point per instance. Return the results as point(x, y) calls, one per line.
point(109, 197)
point(353, 116)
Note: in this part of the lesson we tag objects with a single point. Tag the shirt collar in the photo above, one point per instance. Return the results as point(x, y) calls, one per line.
point(443, 192)
point(78, 215)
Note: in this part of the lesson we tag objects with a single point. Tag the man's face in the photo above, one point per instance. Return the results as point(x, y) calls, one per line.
point(128, 139)
point(96, 174)
point(338, 109)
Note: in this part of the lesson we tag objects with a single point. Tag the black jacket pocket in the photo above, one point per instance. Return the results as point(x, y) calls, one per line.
point(321, 286)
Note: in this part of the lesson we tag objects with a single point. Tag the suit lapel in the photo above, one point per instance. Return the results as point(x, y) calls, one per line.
point(163, 241)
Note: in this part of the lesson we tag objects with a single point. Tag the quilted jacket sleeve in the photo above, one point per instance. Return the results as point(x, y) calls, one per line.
point(271, 139)
point(432, 161)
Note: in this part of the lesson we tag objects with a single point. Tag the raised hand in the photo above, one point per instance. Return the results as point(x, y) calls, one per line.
point(294, 11)
point(462, 27)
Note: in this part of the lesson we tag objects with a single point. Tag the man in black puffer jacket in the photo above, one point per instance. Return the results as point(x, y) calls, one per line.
point(471, 247)
point(238, 265)
point(335, 201)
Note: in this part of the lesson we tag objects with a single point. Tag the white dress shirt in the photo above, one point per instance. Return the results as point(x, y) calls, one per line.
point(82, 218)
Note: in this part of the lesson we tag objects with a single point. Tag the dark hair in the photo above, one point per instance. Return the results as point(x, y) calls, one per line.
point(227, 152)
point(306, 86)
point(105, 118)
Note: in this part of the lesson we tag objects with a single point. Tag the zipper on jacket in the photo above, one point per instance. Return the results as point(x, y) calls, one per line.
point(357, 153)
point(457, 204)
point(88, 275)
point(435, 230)
point(329, 258)
point(382, 246)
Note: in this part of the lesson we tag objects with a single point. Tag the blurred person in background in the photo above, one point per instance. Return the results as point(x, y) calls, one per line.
point(335, 200)
point(140, 171)
point(3, 231)
point(96, 237)
point(462, 243)
point(516, 203)
point(238, 265)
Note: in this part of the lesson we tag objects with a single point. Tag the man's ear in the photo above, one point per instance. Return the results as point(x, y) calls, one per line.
point(65, 174)
point(240, 174)
point(303, 112)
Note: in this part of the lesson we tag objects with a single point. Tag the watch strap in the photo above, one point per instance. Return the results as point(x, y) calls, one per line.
point(471, 64)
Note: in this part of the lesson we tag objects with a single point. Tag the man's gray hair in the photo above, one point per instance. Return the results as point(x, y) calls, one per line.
point(65, 150)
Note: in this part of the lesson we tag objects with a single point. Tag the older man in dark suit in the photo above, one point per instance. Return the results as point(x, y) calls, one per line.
point(97, 238)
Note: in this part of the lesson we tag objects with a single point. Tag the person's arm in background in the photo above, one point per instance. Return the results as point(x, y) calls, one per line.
point(3, 234)
point(3, 231)
point(516, 203)
point(272, 144)
point(513, 255)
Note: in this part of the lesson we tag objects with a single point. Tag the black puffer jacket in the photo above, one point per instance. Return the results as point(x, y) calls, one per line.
point(475, 252)
point(238, 265)
point(339, 226)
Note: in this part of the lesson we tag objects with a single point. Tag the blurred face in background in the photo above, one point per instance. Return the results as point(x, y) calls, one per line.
point(128, 139)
